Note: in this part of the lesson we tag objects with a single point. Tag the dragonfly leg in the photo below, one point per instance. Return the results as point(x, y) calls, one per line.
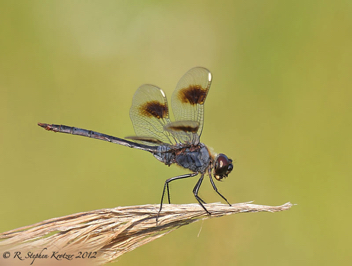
point(216, 189)
point(195, 192)
point(166, 186)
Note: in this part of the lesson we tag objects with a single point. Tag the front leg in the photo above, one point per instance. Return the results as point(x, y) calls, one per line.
point(215, 188)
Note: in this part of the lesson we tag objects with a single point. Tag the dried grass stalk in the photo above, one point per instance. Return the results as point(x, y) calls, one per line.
point(113, 232)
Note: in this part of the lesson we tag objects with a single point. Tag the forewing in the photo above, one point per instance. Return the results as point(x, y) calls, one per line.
point(149, 113)
point(189, 96)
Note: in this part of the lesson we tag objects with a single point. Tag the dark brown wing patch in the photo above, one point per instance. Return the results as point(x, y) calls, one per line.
point(194, 94)
point(185, 126)
point(154, 109)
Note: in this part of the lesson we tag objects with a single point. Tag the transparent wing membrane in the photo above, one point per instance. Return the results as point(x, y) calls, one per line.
point(189, 96)
point(150, 112)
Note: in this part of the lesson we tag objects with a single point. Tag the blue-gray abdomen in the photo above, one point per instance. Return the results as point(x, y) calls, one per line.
point(165, 155)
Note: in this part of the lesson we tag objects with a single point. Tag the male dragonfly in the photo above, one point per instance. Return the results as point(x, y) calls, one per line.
point(171, 142)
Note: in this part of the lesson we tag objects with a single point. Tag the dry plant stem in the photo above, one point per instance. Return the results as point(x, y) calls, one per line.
point(113, 232)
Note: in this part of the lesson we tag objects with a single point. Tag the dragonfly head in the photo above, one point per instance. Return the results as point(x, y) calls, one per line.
point(222, 167)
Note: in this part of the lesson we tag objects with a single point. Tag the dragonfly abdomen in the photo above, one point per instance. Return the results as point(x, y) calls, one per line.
point(164, 154)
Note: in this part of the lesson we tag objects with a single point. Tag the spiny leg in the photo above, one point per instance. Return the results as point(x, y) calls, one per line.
point(195, 192)
point(215, 188)
point(166, 186)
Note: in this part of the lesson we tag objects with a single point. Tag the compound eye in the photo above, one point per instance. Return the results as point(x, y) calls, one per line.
point(223, 166)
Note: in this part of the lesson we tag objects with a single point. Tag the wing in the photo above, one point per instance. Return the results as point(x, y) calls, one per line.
point(149, 113)
point(189, 96)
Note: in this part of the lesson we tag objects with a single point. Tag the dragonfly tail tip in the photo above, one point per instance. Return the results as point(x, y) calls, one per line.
point(43, 125)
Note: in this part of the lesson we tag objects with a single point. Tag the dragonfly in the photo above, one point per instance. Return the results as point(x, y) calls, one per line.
point(170, 142)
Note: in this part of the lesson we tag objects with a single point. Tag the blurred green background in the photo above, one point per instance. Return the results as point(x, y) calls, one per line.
point(279, 105)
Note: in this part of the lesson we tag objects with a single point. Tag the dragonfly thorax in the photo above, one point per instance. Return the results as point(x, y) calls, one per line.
point(193, 157)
